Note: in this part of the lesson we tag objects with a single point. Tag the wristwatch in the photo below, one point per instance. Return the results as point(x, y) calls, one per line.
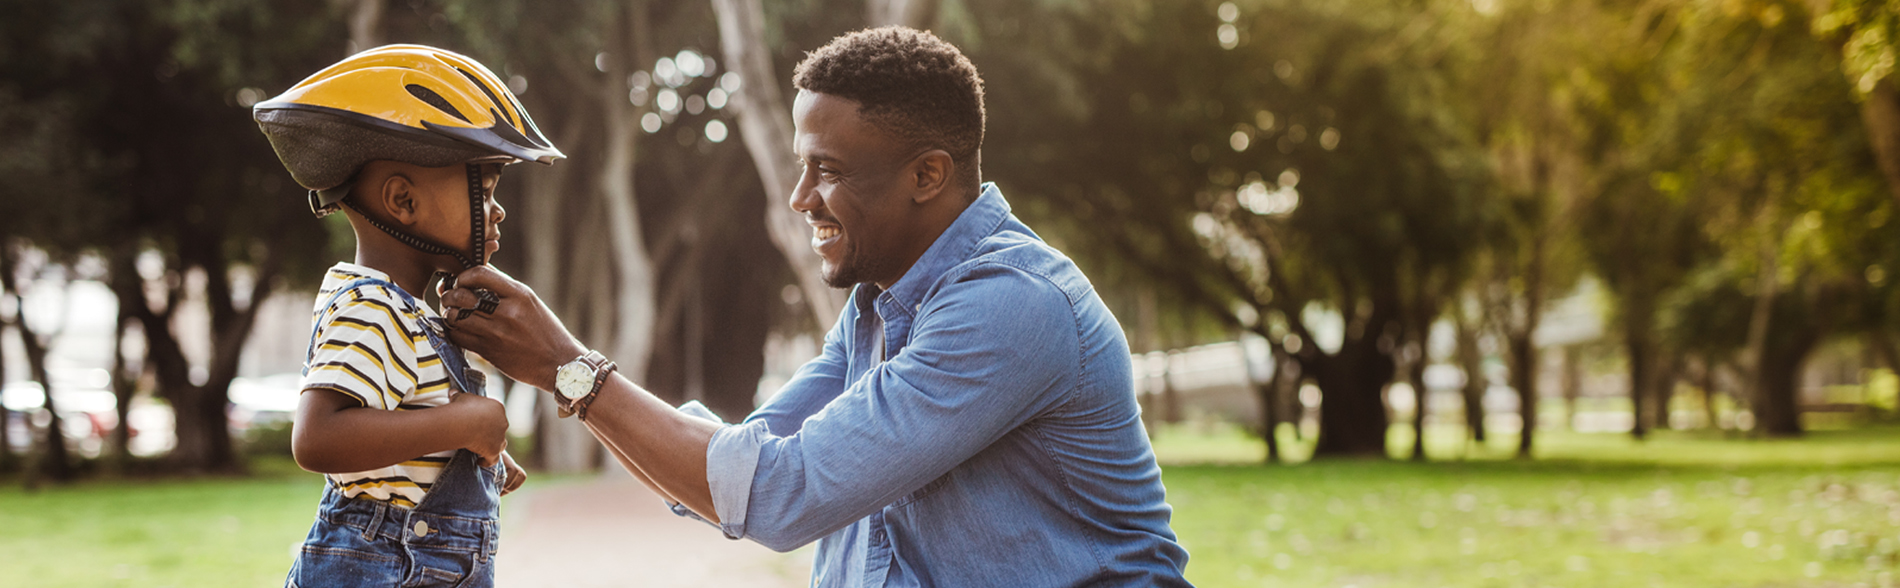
point(577, 382)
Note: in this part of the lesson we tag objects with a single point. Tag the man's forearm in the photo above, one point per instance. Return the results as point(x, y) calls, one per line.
point(661, 443)
point(627, 463)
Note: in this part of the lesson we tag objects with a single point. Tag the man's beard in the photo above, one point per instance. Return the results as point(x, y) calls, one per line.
point(851, 270)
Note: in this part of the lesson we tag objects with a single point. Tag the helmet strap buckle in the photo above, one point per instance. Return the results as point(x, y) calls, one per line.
point(317, 207)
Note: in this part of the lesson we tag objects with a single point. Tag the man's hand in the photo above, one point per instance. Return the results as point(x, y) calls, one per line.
point(522, 337)
point(486, 421)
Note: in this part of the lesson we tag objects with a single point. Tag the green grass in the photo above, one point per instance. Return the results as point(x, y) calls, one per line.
point(1681, 510)
point(152, 533)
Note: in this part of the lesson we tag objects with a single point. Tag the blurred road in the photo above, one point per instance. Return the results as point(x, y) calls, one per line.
point(612, 532)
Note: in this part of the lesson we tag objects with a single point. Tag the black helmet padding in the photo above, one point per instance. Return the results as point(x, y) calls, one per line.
point(324, 149)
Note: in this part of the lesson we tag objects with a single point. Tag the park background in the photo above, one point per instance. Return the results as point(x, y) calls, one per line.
point(1421, 292)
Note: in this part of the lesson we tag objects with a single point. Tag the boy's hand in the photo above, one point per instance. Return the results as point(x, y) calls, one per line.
point(486, 423)
point(515, 474)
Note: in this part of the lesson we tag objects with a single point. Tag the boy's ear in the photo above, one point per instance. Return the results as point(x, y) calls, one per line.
point(398, 198)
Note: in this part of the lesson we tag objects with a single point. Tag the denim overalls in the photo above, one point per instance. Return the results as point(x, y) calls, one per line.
point(449, 539)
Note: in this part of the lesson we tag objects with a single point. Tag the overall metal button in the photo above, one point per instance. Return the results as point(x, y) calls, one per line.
point(422, 529)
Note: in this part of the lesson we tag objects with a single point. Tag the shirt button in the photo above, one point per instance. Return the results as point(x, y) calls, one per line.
point(422, 529)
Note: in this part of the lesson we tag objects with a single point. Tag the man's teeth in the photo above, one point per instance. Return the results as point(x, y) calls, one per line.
point(824, 233)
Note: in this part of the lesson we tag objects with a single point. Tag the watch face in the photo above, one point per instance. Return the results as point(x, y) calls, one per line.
point(573, 380)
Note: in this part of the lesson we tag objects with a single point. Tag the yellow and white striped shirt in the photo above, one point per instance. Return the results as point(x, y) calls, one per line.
point(371, 347)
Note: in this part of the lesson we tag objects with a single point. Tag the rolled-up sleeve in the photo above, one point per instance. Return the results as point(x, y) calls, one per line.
point(987, 353)
point(733, 453)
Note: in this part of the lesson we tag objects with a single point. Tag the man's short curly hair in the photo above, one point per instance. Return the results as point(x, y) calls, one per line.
point(908, 83)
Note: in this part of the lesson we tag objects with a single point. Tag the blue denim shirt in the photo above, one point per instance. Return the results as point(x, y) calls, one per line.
point(997, 443)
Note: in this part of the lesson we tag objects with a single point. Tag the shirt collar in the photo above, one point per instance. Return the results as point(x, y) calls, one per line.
point(954, 246)
point(358, 270)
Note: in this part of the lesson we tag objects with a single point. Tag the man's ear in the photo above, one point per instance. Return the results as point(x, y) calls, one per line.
point(930, 174)
point(398, 197)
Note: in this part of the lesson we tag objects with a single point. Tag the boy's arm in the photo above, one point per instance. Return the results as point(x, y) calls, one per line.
point(334, 433)
point(516, 475)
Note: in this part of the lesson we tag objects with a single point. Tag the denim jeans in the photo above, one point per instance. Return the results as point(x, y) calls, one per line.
point(449, 539)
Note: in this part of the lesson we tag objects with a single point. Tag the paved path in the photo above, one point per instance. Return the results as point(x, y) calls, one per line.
point(612, 532)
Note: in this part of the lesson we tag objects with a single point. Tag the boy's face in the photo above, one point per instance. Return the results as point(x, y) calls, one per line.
point(444, 205)
point(432, 202)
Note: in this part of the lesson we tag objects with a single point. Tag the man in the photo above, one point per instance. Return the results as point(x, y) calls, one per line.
point(971, 420)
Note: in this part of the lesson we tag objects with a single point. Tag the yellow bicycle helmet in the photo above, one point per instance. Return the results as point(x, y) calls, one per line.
point(409, 103)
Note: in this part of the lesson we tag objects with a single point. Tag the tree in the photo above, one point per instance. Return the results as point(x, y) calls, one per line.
point(1773, 149)
point(765, 121)
point(132, 82)
point(1322, 175)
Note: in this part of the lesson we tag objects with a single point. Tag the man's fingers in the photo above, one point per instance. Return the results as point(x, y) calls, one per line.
point(483, 276)
point(459, 298)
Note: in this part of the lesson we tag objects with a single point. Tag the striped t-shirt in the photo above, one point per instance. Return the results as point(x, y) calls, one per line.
point(370, 346)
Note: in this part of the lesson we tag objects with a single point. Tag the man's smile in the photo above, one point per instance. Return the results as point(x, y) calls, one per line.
point(823, 236)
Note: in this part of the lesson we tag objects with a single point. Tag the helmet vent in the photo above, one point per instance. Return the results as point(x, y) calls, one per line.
point(491, 94)
point(433, 99)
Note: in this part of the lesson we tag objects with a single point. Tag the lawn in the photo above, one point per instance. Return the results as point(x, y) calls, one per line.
point(1681, 510)
point(199, 533)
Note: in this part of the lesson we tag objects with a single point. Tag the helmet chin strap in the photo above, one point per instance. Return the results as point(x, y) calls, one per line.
point(478, 227)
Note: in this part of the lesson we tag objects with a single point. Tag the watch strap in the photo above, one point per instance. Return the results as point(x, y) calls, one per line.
point(602, 366)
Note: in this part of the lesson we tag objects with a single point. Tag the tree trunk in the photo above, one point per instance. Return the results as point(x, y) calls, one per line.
point(1777, 410)
point(1880, 112)
point(1639, 343)
point(916, 14)
point(765, 124)
point(366, 25)
point(1272, 395)
point(8, 462)
point(1524, 357)
point(123, 276)
point(1265, 390)
point(1762, 318)
point(1471, 362)
point(1524, 380)
point(1352, 415)
point(124, 385)
point(48, 456)
point(1420, 404)
point(1712, 419)
point(200, 422)
point(1882, 344)
point(633, 328)
point(1572, 384)
point(1668, 372)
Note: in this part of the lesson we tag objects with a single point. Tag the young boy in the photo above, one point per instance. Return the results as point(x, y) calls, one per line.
point(409, 142)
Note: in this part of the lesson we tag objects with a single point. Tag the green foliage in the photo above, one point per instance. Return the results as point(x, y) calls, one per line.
point(1330, 125)
point(1867, 30)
